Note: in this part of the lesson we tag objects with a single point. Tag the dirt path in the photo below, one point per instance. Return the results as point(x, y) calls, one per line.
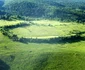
point(43, 37)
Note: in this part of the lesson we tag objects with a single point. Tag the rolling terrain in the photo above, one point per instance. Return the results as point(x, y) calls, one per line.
point(18, 55)
point(42, 35)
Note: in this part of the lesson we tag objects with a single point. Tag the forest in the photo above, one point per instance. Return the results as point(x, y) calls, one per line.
point(69, 11)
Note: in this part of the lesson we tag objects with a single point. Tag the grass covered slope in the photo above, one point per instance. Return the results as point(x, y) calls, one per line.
point(42, 56)
point(9, 23)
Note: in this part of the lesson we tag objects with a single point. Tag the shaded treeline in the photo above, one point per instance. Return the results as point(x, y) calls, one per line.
point(69, 39)
point(23, 24)
point(62, 40)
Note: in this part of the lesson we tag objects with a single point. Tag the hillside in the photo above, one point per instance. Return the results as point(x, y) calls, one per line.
point(1, 4)
point(42, 34)
point(41, 45)
point(59, 9)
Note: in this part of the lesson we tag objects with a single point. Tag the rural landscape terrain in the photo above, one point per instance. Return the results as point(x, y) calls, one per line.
point(42, 35)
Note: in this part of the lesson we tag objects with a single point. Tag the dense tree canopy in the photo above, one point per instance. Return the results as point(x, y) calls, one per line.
point(50, 9)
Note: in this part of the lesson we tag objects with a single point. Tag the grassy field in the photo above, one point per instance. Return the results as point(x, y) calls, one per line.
point(5, 23)
point(42, 56)
point(48, 28)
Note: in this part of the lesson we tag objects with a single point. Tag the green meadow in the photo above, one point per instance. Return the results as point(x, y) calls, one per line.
point(17, 55)
point(49, 28)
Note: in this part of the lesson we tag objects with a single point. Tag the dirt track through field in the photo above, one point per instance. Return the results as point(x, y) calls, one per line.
point(43, 37)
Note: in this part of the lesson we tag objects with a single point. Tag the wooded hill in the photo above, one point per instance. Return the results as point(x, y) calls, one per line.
point(63, 10)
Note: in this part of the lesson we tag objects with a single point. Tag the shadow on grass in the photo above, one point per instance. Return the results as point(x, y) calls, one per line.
point(56, 40)
point(4, 66)
point(60, 40)
point(16, 26)
point(71, 39)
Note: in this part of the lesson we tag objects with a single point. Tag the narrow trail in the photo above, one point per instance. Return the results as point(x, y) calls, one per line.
point(43, 37)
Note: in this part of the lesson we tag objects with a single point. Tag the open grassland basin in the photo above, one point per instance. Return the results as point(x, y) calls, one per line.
point(42, 45)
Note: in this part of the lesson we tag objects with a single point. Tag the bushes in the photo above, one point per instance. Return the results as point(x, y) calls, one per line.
point(15, 38)
point(75, 37)
point(23, 40)
point(9, 34)
point(23, 24)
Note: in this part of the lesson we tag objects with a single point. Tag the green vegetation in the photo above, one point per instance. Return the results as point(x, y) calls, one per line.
point(47, 28)
point(55, 10)
point(16, 54)
point(58, 10)
point(42, 35)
